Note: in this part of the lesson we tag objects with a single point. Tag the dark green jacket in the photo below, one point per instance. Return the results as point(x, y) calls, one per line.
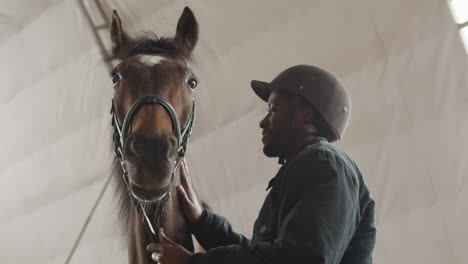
point(318, 210)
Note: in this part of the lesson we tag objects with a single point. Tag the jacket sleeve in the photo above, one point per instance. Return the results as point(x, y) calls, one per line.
point(317, 218)
point(212, 231)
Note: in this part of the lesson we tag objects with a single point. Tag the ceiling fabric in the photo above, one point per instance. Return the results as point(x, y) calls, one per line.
point(403, 63)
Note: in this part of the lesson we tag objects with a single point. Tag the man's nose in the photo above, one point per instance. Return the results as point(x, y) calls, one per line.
point(263, 122)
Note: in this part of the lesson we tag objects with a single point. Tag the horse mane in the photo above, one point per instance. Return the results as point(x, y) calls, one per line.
point(149, 43)
point(122, 195)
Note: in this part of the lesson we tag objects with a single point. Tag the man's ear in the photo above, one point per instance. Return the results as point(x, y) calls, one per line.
point(306, 114)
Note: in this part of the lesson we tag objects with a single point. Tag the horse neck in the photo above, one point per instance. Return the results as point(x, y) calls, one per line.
point(138, 239)
point(174, 223)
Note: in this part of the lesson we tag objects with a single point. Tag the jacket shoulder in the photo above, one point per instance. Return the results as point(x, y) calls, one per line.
point(322, 159)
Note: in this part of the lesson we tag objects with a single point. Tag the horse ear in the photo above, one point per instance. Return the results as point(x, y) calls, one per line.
point(187, 32)
point(118, 36)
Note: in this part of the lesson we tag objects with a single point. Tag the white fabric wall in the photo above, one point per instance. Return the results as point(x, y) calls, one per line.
point(402, 61)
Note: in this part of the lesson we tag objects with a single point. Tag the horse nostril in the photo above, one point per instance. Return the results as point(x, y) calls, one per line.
point(157, 148)
point(172, 142)
point(132, 144)
point(163, 148)
point(168, 146)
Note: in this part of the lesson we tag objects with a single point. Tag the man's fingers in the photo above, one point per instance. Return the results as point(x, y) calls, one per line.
point(183, 175)
point(157, 251)
point(187, 174)
point(189, 199)
point(164, 239)
point(186, 181)
point(187, 184)
point(156, 256)
point(155, 247)
point(168, 251)
point(185, 199)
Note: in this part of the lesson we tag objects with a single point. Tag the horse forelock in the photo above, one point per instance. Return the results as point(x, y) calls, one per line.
point(149, 44)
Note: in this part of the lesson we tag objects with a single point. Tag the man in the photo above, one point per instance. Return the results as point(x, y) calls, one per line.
point(318, 209)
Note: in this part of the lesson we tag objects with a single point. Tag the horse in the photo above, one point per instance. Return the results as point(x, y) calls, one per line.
point(153, 112)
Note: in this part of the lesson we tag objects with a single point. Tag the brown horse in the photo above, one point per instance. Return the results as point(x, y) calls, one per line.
point(153, 86)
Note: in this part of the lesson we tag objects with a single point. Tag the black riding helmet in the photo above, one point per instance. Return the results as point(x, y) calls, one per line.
point(318, 87)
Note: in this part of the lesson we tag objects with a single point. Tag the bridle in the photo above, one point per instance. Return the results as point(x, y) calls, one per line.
point(120, 133)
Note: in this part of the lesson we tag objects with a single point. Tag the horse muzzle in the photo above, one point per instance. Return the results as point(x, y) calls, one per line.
point(146, 195)
point(149, 165)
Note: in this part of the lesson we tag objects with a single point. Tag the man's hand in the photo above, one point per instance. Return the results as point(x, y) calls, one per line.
point(168, 251)
point(191, 205)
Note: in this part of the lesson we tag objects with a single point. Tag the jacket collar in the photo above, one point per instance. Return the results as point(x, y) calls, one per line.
point(306, 145)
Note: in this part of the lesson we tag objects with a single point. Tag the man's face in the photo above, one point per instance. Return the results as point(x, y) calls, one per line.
point(275, 125)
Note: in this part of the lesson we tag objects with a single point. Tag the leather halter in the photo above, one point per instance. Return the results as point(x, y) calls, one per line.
point(120, 133)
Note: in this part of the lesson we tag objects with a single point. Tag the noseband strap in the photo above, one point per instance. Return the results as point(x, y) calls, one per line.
point(120, 132)
point(151, 100)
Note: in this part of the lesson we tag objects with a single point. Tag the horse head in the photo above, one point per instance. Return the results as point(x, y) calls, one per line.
point(153, 107)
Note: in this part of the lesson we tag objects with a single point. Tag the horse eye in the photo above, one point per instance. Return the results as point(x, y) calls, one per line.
point(115, 77)
point(192, 82)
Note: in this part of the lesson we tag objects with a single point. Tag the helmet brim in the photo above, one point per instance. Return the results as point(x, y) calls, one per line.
point(262, 89)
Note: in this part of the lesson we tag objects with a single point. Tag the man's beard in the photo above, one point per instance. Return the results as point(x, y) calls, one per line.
point(273, 149)
point(281, 140)
point(278, 143)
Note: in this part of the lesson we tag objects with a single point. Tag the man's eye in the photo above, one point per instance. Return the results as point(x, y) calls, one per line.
point(115, 77)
